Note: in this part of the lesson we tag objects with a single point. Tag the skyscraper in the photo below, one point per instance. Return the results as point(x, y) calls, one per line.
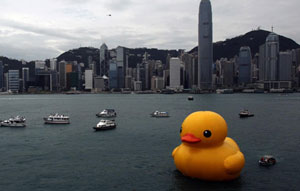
point(271, 57)
point(1, 75)
point(244, 62)
point(103, 60)
point(205, 46)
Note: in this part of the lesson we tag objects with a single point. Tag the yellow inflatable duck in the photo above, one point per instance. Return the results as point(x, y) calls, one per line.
point(206, 152)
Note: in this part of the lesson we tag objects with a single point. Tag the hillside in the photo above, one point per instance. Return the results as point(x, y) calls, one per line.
point(230, 47)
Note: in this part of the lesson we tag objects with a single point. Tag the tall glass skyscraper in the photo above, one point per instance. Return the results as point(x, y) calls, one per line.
point(205, 46)
point(1, 76)
point(244, 63)
point(103, 61)
point(13, 80)
point(272, 57)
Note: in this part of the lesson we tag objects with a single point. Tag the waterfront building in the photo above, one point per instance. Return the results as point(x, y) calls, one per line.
point(13, 80)
point(157, 83)
point(137, 86)
point(53, 64)
point(39, 66)
point(261, 63)
point(285, 66)
point(122, 64)
point(113, 75)
point(104, 57)
point(175, 73)
point(1, 76)
point(271, 57)
point(205, 46)
point(69, 67)
point(25, 78)
point(99, 84)
point(88, 79)
point(226, 70)
point(244, 65)
point(72, 80)
point(62, 75)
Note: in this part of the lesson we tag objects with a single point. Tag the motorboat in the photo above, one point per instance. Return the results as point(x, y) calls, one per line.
point(105, 125)
point(160, 114)
point(245, 113)
point(107, 113)
point(190, 98)
point(267, 160)
point(9, 123)
point(57, 119)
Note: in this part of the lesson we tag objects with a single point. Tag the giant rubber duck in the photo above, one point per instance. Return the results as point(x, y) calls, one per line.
point(206, 152)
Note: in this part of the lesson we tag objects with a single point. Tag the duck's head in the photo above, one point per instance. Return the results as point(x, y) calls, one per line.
point(203, 128)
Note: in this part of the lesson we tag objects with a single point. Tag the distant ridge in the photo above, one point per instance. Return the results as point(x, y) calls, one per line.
point(223, 49)
point(230, 47)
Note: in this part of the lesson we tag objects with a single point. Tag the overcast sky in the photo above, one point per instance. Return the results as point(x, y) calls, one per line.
point(40, 29)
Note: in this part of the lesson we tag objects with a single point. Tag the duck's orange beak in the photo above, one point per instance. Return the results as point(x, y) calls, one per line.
point(190, 138)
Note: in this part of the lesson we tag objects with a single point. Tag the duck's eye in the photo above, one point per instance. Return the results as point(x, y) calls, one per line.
point(180, 129)
point(207, 133)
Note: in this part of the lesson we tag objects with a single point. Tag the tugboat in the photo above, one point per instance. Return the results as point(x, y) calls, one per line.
point(267, 160)
point(9, 123)
point(57, 119)
point(105, 125)
point(245, 113)
point(107, 113)
point(159, 114)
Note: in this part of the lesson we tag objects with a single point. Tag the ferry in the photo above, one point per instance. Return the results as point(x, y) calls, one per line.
point(105, 125)
point(107, 113)
point(160, 114)
point(57, 119)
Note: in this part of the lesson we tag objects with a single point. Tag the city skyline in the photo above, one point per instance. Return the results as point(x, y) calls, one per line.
point(31, 31)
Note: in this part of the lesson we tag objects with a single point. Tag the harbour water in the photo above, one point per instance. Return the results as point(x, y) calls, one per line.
point(137, 154)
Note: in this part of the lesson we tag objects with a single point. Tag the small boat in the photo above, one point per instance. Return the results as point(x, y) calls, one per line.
point(105, 125)
point(57, 119)
point(107, 113)
point(190, 98)
point(245, 113)
point(9, 123)
point(160, 114)
point(267, 160)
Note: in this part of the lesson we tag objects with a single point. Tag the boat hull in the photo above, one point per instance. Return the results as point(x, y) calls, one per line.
point(104, 128)
point(247, 115)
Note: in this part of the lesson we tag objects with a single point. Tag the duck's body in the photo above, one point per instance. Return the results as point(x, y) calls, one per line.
point(216, 163)
point(212, 156)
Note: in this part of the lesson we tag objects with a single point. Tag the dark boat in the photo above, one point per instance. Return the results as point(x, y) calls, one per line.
point(267, 160)
point(190, 98)
point(245, 113)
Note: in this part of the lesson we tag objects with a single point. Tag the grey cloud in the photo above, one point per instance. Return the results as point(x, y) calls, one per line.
point(118, 5)
point(36, 29)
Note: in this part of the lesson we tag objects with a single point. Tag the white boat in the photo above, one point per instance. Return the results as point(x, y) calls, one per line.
point(160, 114)
point(57, 119)
point(105, 125)
point(9, 123)
point(107, 113)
